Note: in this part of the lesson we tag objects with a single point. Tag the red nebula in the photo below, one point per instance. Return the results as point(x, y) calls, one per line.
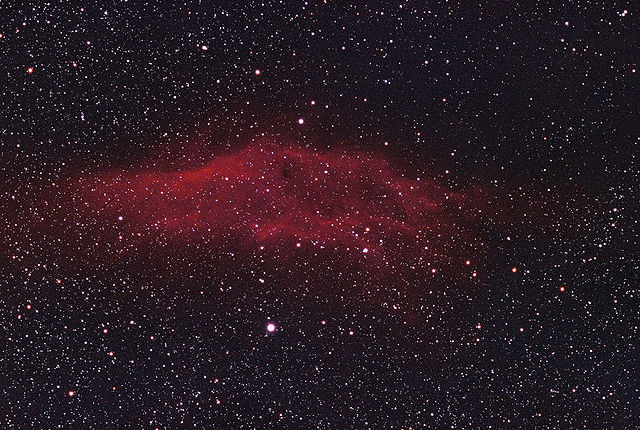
point(346, 210)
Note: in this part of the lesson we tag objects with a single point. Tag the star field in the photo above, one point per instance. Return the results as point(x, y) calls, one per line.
point(319, 214)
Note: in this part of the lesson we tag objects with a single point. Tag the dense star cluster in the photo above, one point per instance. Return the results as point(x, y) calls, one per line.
point(320, 214)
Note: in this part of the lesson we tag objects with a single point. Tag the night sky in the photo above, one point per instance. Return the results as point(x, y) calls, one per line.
point(315, 214)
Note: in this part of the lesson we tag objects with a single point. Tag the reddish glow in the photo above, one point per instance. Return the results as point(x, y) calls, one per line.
point(257, 72)
point(271, 192)
point(271, 327)
point(30, 70)
point(514, 269)
point(337, 211)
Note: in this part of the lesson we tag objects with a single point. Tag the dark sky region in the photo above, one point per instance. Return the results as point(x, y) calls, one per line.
point(317, 214)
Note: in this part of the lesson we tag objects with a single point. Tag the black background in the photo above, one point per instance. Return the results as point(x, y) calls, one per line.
point(537, 104)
